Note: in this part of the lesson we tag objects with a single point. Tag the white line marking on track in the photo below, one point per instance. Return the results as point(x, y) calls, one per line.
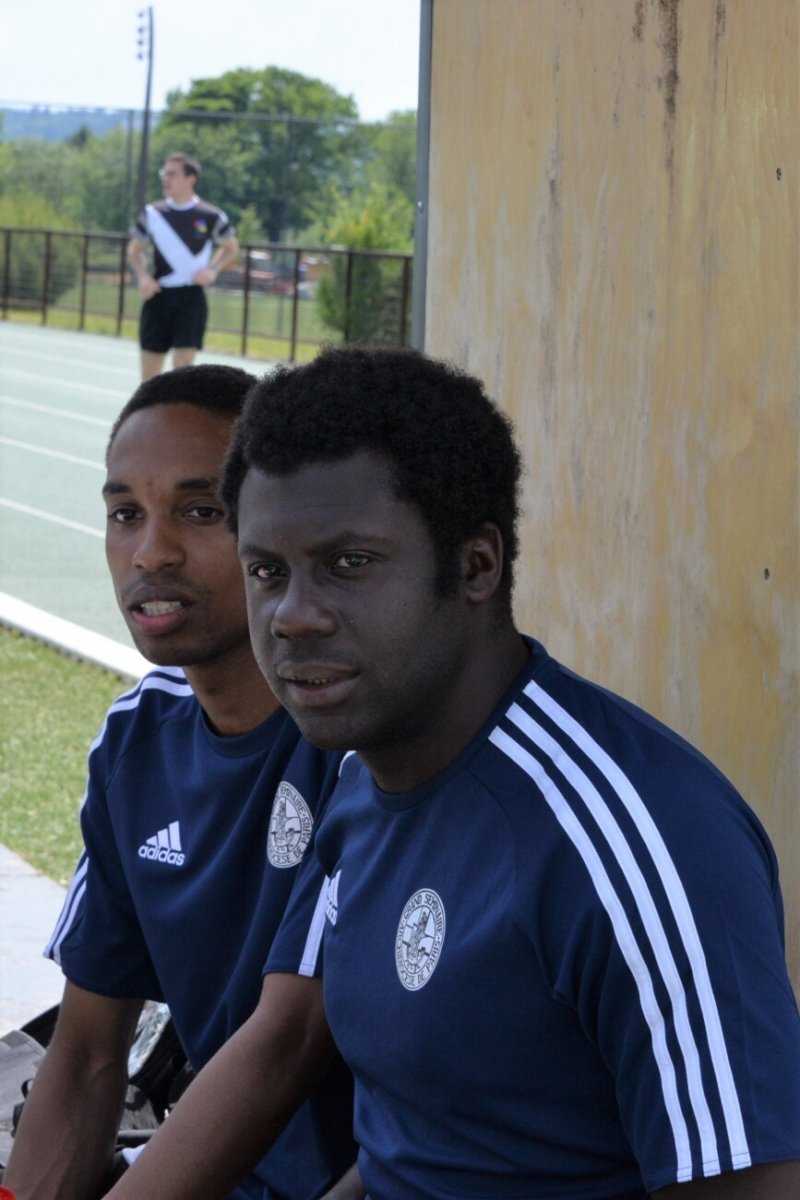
point(53, 379)
point(46, 516)
point(61, 454)
point(57, 412)
point(113, 346)
point(69, 362)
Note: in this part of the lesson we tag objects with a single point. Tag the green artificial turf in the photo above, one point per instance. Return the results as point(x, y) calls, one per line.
point(51, 708)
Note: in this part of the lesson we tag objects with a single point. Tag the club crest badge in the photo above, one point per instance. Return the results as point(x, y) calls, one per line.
point(420, 936)
point(290, 826)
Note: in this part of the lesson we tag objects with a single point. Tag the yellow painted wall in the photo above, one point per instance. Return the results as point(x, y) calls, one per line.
point(613, 247)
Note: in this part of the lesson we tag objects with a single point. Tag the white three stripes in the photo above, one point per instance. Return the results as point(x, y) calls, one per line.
point(651, 922)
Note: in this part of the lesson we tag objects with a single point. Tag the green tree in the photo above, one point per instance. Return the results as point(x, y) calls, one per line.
point(26, 275)
point(279, 157)
point(360, 297)
point(390, 153)
point(248, 226)
point(86, 179)
point(35, 168)
point(103, 178)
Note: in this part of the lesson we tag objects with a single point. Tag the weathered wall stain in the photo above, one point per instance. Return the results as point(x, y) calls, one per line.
point(639, 325)
point(669, 42)
point(638, 20)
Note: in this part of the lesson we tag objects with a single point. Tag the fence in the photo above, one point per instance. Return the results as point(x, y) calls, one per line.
point(279, 302)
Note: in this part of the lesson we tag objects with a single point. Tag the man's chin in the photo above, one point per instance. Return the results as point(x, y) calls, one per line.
point(164, 652)
point(324, 733)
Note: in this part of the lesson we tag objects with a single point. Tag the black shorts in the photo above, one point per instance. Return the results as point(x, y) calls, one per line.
point(175, 316)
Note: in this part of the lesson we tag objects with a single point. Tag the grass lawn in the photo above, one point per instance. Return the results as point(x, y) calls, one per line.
point(51, 708)
point(269, 321)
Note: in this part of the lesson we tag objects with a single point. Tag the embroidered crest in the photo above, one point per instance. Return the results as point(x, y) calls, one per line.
point(290, 827)
point(420, 936)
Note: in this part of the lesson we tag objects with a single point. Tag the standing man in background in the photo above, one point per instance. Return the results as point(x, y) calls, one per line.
point(193, 241)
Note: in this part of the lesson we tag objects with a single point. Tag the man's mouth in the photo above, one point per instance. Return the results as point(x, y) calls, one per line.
point(316, 687)
point(311, 680)
point(158, 617)
point(159, 608)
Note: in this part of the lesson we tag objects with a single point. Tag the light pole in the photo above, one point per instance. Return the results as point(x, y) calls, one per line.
point(144, 49)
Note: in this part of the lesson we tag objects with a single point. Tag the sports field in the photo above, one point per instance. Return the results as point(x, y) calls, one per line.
point(59, 395)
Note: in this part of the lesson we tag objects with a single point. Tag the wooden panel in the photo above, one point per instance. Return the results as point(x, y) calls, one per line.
point(613, 247)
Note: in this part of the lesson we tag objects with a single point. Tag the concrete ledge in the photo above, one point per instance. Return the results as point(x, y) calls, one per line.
point(72, 639)
point(29, 907)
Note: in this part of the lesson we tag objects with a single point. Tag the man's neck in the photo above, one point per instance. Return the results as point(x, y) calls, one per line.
point(232, 692)
point(185, 202)
point(486, 678)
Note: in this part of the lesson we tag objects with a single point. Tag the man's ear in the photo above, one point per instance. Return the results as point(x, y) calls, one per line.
point(482, 563)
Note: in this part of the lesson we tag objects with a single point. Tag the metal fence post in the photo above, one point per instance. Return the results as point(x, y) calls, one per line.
point(6, 272)
point(295, 302)
point(121, 294)
point(48, 242)
point(348, 291)
point(84, 273)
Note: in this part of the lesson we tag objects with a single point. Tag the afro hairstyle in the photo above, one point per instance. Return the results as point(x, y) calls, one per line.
point(450, 448)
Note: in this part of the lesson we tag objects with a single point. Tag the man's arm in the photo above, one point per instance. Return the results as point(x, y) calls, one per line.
point(769, 1181)
point(225, 254)
point(64, 1146)
point(136, 253)
point(232, 1112)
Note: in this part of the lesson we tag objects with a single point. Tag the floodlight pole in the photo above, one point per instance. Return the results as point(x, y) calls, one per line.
point(145, 31)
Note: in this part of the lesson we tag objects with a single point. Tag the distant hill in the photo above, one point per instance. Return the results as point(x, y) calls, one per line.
point(58, 124)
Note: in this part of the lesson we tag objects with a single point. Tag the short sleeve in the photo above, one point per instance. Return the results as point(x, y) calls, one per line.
point(98, 941)
point(298, 944)
point(672, 957)
point(223, 230)
point(139, 229)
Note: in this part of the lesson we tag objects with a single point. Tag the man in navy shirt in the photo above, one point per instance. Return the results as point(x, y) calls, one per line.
point(200, 803)
point(551, 931)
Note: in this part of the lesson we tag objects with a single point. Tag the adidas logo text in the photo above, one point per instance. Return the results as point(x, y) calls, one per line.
point(164, 846)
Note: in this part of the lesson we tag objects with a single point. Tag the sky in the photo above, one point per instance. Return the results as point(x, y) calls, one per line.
point(84, 54)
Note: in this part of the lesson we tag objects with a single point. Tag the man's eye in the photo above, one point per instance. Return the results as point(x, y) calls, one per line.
point(122, 516)
point(206, 512)
point(351, 561)
point(265, 571)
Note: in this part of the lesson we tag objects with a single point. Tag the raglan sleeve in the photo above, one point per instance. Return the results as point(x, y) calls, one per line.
point(223, 229)
point(140, 229)
point(98, 941)
point(671, 952)
point(297, 948)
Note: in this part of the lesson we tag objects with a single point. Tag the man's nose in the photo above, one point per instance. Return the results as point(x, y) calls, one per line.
point(157, 547)
point(302, 612)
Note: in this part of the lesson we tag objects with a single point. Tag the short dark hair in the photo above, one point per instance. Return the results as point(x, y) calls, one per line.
point(451, 450)
point(190, 165)
point(207, 386)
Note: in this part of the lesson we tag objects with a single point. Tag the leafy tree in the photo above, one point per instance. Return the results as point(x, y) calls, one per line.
point(86, 181)
point(360, 297)
point(279, 164)
point(248, 226)
point(390, 152)
point(80, 137)
point(25, 282)
point(36, 168)
point(102, 177)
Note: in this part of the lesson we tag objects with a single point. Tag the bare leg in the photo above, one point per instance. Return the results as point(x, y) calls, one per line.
point(152, 364)
point(183, 356)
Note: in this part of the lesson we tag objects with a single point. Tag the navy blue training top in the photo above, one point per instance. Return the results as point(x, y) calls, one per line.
point(556, 970)
point(192, 843)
